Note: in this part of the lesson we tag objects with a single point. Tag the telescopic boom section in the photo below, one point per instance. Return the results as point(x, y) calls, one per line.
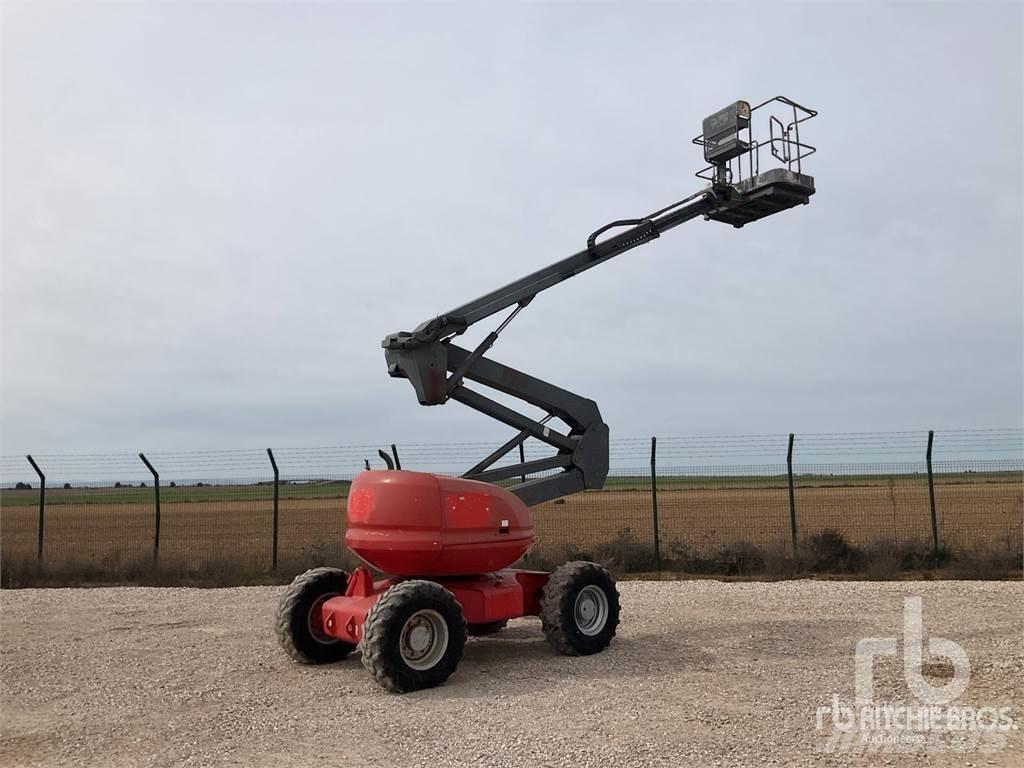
point(438, 369)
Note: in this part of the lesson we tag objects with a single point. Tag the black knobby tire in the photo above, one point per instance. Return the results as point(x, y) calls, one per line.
point(488, 628)
point(408, 607)
point(304, 594)
point(574, 600)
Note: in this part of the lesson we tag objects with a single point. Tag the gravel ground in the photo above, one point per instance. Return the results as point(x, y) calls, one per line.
point(702, 673)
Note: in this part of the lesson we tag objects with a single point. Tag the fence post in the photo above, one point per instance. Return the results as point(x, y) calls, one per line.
point(394, 452)
point(654, 501)
point(277, 479)
point(931, 495)
point(522, 460)
point(42, 507)
point(792, 496)
point(156, 515)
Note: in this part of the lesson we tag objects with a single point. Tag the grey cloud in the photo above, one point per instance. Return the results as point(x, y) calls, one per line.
point(212, 214)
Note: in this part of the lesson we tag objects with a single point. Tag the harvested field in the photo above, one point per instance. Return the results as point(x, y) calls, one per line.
point(222, 523)
point(701, 674)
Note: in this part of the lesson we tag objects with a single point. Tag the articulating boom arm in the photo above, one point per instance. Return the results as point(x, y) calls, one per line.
point(438, 369)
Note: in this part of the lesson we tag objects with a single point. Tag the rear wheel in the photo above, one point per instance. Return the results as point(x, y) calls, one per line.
point(298, 625)
point(413, 636)
point(580, 608)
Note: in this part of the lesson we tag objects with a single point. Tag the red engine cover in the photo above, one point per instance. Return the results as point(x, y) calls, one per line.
point(417, 524)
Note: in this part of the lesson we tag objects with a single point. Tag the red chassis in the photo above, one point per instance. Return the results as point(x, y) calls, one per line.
point(507, 594)
point(447, 545)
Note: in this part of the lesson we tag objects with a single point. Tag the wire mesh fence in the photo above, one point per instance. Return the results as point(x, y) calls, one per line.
point(703, 517)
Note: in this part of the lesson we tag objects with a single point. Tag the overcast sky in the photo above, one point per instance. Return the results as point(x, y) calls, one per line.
point(213, 214)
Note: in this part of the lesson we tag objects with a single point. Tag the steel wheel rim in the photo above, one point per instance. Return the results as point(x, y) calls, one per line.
point(315, 627)
point(591, 610)
point(424, 639)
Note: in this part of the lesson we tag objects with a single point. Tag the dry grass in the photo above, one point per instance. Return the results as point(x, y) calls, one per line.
point(224, 570)
point(738, 531)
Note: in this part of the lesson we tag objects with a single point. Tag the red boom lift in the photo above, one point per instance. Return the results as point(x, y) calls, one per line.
point(447, 543)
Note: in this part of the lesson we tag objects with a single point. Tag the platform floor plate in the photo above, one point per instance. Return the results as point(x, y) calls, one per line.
point(763, 195)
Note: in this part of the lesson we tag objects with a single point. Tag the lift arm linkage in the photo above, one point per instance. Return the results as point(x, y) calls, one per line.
point(438, 368)
point(427, 356)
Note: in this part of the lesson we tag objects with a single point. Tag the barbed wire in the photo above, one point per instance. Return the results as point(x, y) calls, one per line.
point(729, 451)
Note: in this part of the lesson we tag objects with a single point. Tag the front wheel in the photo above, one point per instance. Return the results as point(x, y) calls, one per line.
point(580, 609)
point(413, 636)
point(298, 625)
